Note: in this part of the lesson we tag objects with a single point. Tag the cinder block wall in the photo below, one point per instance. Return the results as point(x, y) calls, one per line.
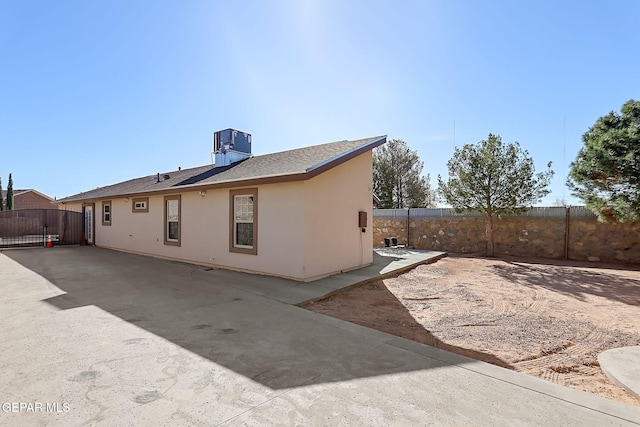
point(588, 239)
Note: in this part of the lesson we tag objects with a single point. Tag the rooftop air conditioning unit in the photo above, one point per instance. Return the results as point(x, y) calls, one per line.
point(231, 146)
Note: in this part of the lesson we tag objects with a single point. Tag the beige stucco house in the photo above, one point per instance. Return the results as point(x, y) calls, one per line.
point(302, 214)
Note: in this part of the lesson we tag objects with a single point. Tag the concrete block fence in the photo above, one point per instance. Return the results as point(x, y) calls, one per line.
point(555, 232)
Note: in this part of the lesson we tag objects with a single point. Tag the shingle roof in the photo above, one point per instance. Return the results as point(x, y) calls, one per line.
point(301, 163)
point(138, 185)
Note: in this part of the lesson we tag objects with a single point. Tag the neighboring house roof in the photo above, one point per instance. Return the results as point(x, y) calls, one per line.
point(19, 192)
point(291, 165)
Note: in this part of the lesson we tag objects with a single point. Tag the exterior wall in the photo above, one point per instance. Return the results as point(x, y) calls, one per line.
point(280, 233)
point(204, 230)
point(334, 242)
point(306, 229)
point(519, 236)
point(31, 200)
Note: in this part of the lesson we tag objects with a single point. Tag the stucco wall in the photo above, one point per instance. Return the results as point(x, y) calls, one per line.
point(306, 229)
point(205, 230)
point(334, 242)
point(519, 236)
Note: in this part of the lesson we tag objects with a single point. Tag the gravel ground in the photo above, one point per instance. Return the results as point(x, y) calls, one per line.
point(545, 318)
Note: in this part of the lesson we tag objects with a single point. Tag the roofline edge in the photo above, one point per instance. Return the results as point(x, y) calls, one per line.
point(272, 179)
point(382, 138)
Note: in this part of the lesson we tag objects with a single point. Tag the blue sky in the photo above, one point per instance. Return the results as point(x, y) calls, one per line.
point(97, 92)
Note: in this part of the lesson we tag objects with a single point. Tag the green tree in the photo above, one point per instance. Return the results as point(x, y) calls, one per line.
point(397, 177)
point(606, 172)
point(1, 197)
point(494, 179)
point(10, 194)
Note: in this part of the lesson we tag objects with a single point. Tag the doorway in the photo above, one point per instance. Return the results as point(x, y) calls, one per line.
point(89, 223)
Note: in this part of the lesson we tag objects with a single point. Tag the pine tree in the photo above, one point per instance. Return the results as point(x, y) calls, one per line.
point(495, 179)
point(397, 177)
point(605, 175)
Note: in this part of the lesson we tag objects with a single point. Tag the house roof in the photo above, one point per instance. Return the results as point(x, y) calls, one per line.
point(291, 165)
point(18, 192)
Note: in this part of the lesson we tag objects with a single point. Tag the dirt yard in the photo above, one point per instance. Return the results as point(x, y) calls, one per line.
point(545, 318)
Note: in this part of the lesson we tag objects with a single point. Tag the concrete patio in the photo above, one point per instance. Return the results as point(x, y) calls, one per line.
point(114, 338)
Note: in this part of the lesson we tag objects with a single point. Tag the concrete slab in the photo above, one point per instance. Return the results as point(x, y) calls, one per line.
point(105, 338)
point(405, 259)
point(386, 262)
point(622, 366)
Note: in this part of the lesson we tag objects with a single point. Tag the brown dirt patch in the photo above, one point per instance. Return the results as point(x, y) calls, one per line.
point(545, 318)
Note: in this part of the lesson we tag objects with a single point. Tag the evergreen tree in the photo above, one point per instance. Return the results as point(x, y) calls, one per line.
point(606, 173)
point(397, 178)
point(495, 179)
point(10, 194)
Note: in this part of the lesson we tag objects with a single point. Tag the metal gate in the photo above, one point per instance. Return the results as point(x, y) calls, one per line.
point(39, 227)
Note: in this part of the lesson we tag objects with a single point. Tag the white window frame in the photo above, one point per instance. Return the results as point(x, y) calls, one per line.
point(236, 199)
point(168, 221)
point(106, 212)
point(235, 195)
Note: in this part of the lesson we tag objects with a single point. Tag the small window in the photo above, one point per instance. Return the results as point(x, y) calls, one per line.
point(140, 204)
point(172, 220)
point(244, 221)
point(106, 213)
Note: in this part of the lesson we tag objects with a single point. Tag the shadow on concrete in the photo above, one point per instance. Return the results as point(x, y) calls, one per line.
point(373, 305)
point(277, 345)
point(573, 278)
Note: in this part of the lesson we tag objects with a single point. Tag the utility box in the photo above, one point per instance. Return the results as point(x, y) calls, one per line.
point(362, 219)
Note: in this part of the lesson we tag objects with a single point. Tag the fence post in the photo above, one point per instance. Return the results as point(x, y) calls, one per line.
point(566, 231)
point(408, 222)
